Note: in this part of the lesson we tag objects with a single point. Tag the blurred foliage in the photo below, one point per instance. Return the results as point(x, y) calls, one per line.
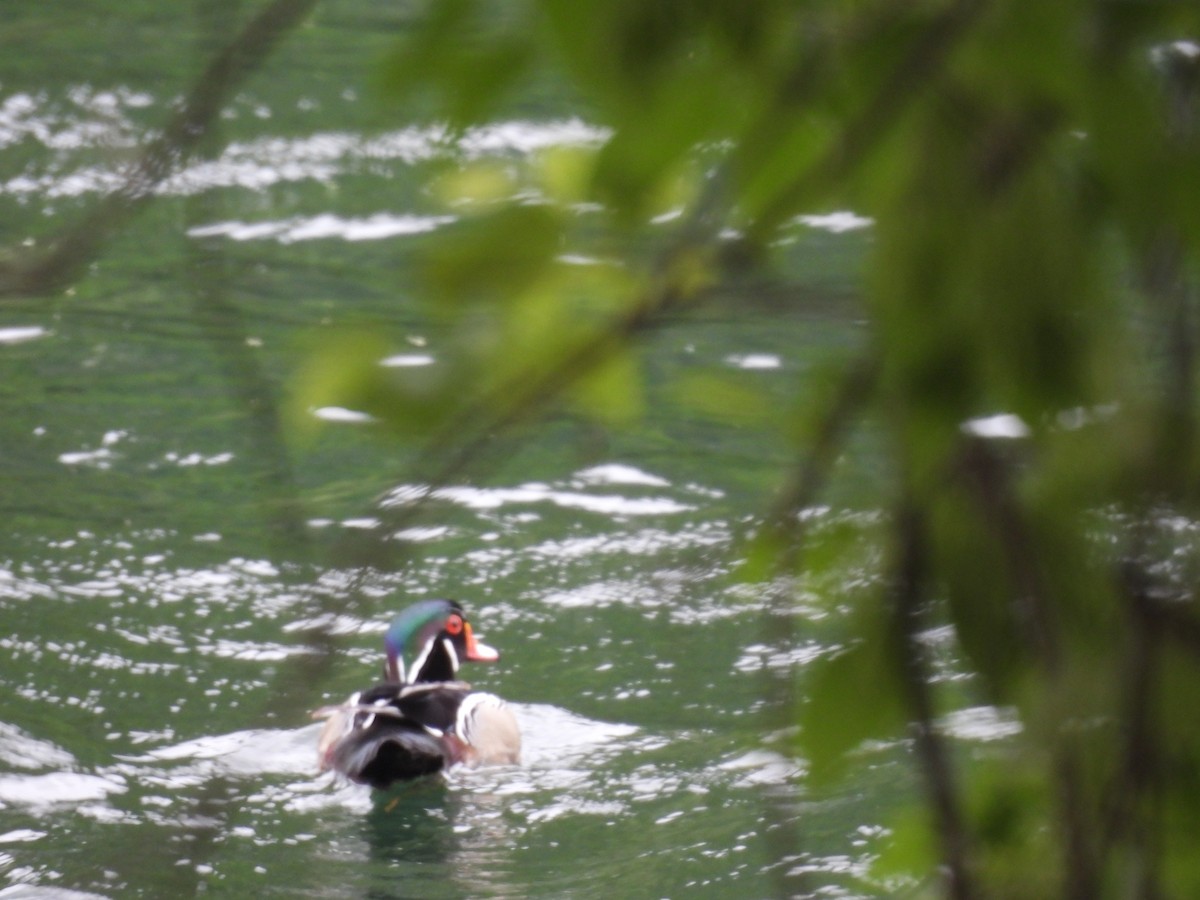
point(1033, 175)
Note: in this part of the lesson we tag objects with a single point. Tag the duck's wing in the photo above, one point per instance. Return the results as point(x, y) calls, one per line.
point(486, 725)
point(387, 751)
point(394, 732)
point(371, 739)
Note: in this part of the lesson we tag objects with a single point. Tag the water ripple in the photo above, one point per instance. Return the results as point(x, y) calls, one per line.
point(90, 119)
point(56, 788)
point(323, 226)
point(23, 751)
point(494, 498)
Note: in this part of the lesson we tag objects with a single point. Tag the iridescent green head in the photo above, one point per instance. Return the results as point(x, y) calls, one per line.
point(427, 642)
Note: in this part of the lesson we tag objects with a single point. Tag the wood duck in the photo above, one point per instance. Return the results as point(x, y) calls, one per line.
point(420, 719)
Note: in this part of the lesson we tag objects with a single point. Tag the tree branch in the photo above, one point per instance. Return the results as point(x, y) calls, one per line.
point(910, 80)
point(808, 477)
point(986, 477)
point(909, 597)
point(52, 269)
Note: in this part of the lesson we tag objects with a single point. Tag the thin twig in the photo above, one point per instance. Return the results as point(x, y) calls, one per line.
point(987, 479)
point(984, 475)
point(911, 79)
point(785, 525)
point(1136, 780)
point(43, 272)
point(909, 597)
point(808, 478)
point(466, 437)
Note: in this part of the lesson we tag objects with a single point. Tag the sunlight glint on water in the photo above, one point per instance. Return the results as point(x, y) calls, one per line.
point(154, 625)
point(160, 659)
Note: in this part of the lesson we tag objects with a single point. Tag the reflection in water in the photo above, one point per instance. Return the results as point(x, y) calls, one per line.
point(409, 830)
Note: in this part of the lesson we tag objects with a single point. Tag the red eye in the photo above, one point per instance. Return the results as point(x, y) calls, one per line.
point(454, 626)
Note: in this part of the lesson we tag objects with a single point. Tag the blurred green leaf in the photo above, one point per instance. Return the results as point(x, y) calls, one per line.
point(1008, 801)
point(565, 173)
point(911, 847)
point(490, 257)
point(851, 697)
point(340, 372)
point(723, 398)
point(475, 186)
point(612, 392)
point(638, 167)
point(465, 54)
point(986, 620)
point(345, 373)
point(1032, 173)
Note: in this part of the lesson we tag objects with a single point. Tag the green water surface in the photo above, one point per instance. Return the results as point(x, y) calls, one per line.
point(184, 575)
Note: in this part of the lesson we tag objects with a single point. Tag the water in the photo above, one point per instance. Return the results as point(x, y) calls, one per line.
point(150, 730)
point(183, 579)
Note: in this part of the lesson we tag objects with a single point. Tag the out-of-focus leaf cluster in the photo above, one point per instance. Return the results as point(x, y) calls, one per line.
point(1033, 174)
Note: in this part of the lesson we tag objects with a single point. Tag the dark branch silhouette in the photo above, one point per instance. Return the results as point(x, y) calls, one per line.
point(908, 599)
point(46, 271)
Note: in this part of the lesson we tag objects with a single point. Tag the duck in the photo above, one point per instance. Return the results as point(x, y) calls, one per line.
point(420, 719)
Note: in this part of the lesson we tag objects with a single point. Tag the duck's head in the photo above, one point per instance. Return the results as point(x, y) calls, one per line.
point(427, 642)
